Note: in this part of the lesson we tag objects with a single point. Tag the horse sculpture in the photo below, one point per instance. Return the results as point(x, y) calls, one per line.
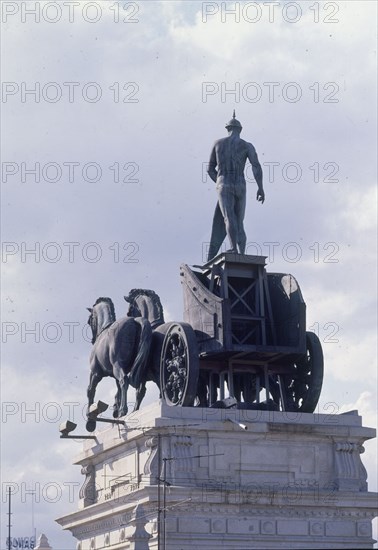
point(120, 349)
point(146, 304)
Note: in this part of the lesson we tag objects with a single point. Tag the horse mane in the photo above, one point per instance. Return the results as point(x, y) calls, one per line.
point(110, 304)
point(135, 292)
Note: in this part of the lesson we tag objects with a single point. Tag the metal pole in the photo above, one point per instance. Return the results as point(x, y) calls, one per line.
point(33, 524)
point(164, 503)
point(9, 519)
point(159, 489)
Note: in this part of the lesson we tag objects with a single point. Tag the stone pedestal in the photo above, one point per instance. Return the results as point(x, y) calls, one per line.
point(230, 479)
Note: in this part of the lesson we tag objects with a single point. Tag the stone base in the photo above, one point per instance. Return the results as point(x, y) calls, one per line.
point(286, 481)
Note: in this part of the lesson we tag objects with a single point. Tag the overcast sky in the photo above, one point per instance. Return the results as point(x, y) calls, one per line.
point(128, 100)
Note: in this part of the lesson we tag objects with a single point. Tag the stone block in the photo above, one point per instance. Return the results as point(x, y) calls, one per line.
point(292, 527)
point(243, 525)
point(340, 529)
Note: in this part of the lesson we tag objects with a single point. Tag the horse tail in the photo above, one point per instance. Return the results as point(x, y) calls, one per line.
point(139, 367)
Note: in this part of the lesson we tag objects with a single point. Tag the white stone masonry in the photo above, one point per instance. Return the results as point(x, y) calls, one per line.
point(185, 478)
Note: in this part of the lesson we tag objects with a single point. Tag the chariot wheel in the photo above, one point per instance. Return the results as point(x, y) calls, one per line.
point(303, 391)
point(179, 365)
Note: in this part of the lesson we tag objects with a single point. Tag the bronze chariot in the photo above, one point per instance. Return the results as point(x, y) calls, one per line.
point(244, 334)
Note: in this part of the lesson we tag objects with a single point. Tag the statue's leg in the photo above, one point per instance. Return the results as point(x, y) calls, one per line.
point(240, 204)
point(227, 206)
point(218, 233)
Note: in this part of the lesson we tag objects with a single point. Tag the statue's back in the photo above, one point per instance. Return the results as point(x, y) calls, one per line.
point(231, 154)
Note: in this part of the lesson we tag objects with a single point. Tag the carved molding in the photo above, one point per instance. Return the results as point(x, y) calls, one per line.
point(151, 467)
point(88, 491)
point(349, 471)
point(182, 452)
point(317, 518)
point(139, 533)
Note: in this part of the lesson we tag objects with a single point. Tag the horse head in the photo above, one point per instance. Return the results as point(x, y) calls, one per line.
point(102, 315)
point(147, 304)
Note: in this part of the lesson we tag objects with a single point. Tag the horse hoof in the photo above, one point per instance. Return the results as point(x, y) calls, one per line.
point(91, 425)
point(115, 413)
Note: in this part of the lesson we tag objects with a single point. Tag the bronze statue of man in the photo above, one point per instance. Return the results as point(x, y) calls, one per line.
point(226, 169)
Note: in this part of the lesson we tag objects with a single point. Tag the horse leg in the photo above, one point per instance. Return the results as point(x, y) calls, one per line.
point(155, 376)
point(202, 389)
point(94, 379)
point(238, 384)
point(140, 393)
point(123, 381)
point(124, 385)
point(117, 401)
point(249, 388)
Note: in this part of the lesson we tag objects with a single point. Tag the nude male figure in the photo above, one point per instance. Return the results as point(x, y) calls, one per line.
point(226, 169)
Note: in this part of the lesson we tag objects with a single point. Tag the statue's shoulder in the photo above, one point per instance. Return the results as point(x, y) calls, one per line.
point(219, 141)
point(248, 146)
point(246, 143)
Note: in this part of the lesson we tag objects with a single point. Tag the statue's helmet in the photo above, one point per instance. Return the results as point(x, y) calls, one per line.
point(233, 123)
